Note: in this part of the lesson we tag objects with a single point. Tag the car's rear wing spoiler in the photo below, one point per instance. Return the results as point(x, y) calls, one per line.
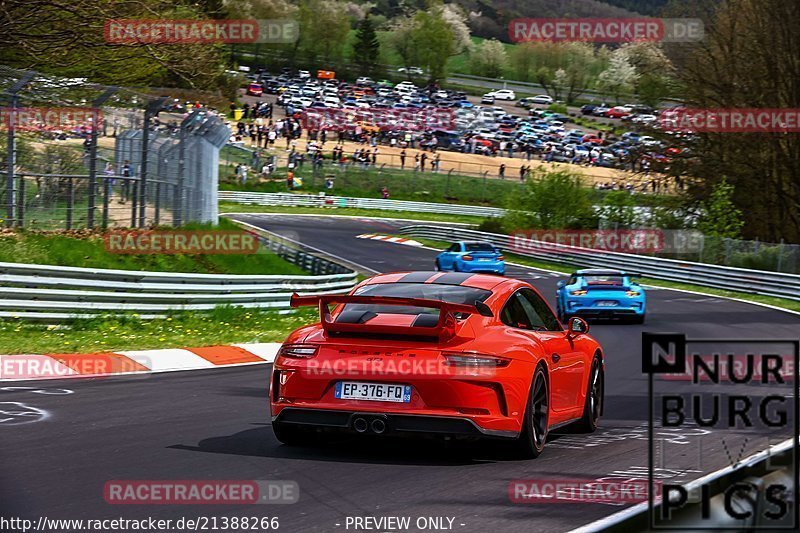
point(607, 273)
point(444, 327)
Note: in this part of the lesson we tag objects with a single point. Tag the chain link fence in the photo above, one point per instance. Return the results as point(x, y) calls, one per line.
point(80, 155)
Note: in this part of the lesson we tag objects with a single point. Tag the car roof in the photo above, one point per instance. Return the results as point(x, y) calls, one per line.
point(463, 279)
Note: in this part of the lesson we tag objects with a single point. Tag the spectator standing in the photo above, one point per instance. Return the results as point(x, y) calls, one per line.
point(502, 171)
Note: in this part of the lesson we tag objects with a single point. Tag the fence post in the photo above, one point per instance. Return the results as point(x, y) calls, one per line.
point(106, 199)
point(483, 193)
point(447, 183)
point(152, 109)
point(11, 157)
point(70, 202)
point(93, 154)
point(780, 256)
point(11, 161)
point(158, 202)
point(21, 203)
point(134, 187)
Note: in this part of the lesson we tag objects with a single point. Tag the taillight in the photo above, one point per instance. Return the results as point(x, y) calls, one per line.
point(501, 258)
point(466, 257)
point(299, 351)
point(631, 293)
point(479, 360)
point(579, 292)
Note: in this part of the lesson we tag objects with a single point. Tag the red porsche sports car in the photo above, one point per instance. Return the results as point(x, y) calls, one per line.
point(439, 353)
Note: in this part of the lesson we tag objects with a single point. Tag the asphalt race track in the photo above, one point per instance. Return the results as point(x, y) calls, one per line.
point(214, 425)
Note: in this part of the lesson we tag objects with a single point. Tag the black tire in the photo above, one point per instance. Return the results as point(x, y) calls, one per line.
point(638, 319)
point(593, 406)
point(291, 435)
point(532, 438)
point(436, 266)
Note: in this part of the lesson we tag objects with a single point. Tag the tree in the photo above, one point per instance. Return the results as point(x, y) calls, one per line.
point(619, 209)
point(655, 72)
point(401, 38)
point(324, 28)
point(366, 49)
point(541, 61)
point(619, 78)
point(489, 59)
point(721, 218)
point(66, 37)
point(433, 38)
point(550, 200)
point(748, 59)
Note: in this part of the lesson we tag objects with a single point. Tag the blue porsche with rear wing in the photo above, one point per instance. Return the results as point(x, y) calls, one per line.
point(596, 293)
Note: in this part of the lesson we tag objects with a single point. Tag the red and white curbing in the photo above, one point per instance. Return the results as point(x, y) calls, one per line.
point(387, 238)
point(58, 366)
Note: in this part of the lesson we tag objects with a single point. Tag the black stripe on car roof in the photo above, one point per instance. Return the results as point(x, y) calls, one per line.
point(416, 277)
point(453, 278)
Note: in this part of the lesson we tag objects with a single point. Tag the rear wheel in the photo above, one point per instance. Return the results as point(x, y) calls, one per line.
point(291, 435)
point(437, 266)
point(533, 436)
point(593, 405)
point(639, 319)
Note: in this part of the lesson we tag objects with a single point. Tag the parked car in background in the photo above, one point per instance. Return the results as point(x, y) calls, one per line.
point(255, 89)
point(541, 99)
point(618, 112)
point(504, 94)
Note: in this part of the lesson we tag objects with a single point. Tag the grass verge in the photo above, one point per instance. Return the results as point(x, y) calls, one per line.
point(230, 207)
point(402, 185)
point(224, 325)
point(87, 249)
point(783, 303)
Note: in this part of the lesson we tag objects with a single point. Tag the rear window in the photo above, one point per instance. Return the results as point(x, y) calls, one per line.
point(603, 280)
point(479, 247)
point(429, 291)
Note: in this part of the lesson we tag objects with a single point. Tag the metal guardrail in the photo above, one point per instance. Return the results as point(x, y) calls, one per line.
point(721, 277)
point(57, 293)
point(308, 200)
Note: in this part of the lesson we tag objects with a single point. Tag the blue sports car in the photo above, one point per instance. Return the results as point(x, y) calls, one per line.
point(601, 294)
point(472, 256)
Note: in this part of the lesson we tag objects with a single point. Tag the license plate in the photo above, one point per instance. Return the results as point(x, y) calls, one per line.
point(376, 392)
point(484, 259)
point(606, 304)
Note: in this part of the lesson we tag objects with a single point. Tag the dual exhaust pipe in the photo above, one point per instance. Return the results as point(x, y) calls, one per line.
point(377, 425)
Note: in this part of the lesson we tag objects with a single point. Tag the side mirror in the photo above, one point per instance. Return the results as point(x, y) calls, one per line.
point(577, 326)
point(561, 284)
